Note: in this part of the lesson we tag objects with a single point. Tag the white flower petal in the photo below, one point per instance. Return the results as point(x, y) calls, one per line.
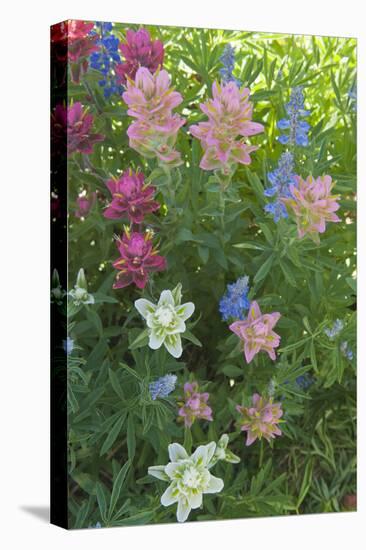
point(185, 310)
point(211, 448)
point(172, 469)
point(166, 298)
point(183, 510)
point(170, 496)
point(215, 485)
point(173, 344)
point(159, 472)
point(144, 307)
point(155, 340)
point(200, 455)
point(177, 452)
point(195, 500)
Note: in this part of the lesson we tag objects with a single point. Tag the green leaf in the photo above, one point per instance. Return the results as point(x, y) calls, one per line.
point(113, 434)
point(102, 503)
point(264, 269)
point(131, 437)
point(117, 487)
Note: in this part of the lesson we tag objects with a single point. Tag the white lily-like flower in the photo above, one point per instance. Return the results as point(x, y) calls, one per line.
point(166, 320)
point(189, 478)
point(79, 293)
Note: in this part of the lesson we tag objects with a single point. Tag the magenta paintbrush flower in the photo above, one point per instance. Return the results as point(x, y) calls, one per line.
point(138, 259)
point(150, 101)
point(71, 129)
point(195, 405)
point(139, 51)
point(229, 118)
point(71, 39)
point(131, 197)
point(260, 420)
point(84, 204)
point(313, 205)
point(256, 332)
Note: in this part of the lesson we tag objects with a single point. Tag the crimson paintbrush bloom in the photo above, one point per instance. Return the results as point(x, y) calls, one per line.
point(71, 129)
point(138, 258)
point(139, 51)
point(71, 40)
point(131, 197)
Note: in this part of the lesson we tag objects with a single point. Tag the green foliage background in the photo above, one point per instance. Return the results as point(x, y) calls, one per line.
point(115, 430)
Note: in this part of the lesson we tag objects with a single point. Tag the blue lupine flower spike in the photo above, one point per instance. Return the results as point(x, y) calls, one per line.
point(280, 179)
point(163, 386)
point(297, 128)
point(228, 61)
point(235, 303)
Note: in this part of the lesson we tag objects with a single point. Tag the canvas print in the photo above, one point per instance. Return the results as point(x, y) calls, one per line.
point(203, 205)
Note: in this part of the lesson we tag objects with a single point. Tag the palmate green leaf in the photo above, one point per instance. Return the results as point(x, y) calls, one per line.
point(264, 269)
point(102, 502)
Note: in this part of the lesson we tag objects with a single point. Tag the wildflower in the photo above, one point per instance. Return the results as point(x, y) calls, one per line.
point(189, 477)
point(304, 381)
point(73, 38)
point(195, 405)
point(223, 453)
point(313, 205)
point(57, 292)
point(163, 386)
point(151, 100)
point(131, 196)
point(166, 320)
point(79, 294)
point(229, 117)
point(281, 178)
point(228, 61)
point(71, 129)
point(352, 94)
point(235, 300)
point(335, 329)
point(298, 128)
point(85, 203)
point(260, 420)
point(105, 60)
point(346, 351)
point(256, 332)
point(68, 345)
point(139, 51)
point(138, 258)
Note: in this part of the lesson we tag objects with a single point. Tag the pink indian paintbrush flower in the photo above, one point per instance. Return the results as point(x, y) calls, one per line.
point(150, 101)
point(260, 420)
point(139, 51)
point(256, 332)
point(84, 204)
point(195, 405)
point(229, 118)
point(313, 205)
point(138, 258)
point(131, 197)
point(72, 39)
point(71, 129)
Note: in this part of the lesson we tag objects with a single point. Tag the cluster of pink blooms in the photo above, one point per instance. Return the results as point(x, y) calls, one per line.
point(84, 204)
point(256, 332)
point(195, 405)
point(72, 39)
point(260, 420)
point(313, 205)
point(71, 129)
point(150, 101)
point(131, 196)
point(229, 118)
point(138, 258)
point(139, 51)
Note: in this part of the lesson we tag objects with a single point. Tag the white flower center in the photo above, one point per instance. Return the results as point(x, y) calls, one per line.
point(191, 478)
point(164, 315)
